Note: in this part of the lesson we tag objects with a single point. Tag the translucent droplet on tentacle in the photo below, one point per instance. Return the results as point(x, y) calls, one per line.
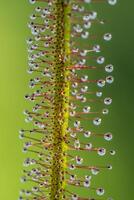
point(109, 68)
point(26, 162)
point(87, 25)
point(96, 48)
point(29, 41)
point(85, 35)
point(87, 183)
point(109, 79)
point(87, 177)
point(75, 6)
point(77, 144)
point(87, 1)
point(33, 16)
point(82, 62)
point(97, 121)
point(101, 151)
point(110, 198)
point(83, 53)
point(72, 106)
point(107, 36)
point(108, 136)
point(74, 92)
point(79, 160)
point(81, 8)
point(110, 167)
point(84, 89)
point(100, 60)
point(88, 146)
point(112, 152)
point(38, 9)
point(99, 94)
point(74, 197)
point(78, 28)
point(105, 111)
point(87, 134)
point(84, 99)
point(46, 11)
point(32, 1)
point(95, 171)
point(72, 177)
point(84, 78)
point(86, 18)
point(72, 167)
point(35, 189)
point(72, 113)
point(112, 2)
point(86, 109)
point(100, 191)
point(107, 101)
point(23, 179)
point(101, 83)
point(75, 85)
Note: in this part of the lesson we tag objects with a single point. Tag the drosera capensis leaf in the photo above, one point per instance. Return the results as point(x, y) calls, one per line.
point(69, 106)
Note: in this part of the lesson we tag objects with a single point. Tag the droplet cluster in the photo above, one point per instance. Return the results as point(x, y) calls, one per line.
point(68, 104)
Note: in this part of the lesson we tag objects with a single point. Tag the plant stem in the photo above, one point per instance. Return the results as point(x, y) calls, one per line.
point(61, 99)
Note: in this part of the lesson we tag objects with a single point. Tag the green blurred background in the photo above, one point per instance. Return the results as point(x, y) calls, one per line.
point(14, 84)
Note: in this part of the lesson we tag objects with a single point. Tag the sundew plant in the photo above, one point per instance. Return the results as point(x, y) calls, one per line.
point(67, 102)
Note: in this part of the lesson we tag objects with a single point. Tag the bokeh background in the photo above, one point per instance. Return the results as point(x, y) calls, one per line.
point(14, 84)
